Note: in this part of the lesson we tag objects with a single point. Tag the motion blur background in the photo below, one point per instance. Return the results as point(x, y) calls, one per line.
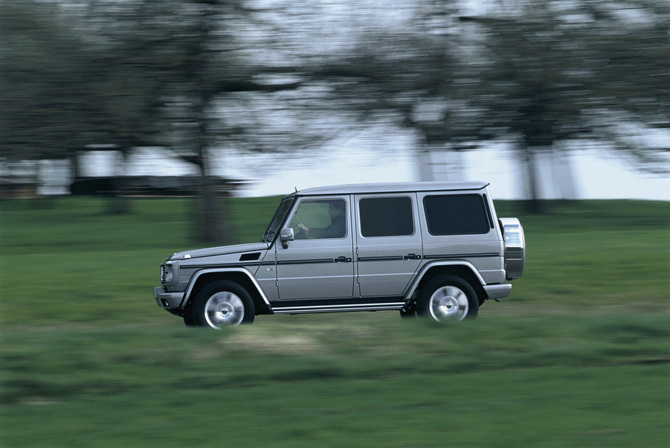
point(545, 99)
point(132, 129)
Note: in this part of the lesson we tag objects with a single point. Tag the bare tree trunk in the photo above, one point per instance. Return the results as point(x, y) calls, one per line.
point(206, 217)
point(118, 203)
point(209, 222)
point(534, 205)
point(212, 217)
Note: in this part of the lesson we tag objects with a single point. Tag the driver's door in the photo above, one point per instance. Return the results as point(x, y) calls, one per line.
point(318, 263)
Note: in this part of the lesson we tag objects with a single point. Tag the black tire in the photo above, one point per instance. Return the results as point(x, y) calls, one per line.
point(448, 298)
point(221, 304)
point(188, 319)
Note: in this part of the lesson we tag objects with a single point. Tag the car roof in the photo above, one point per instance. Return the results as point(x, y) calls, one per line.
point(395, 187)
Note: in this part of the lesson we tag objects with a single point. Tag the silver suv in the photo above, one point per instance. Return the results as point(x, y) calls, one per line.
point(430, 249)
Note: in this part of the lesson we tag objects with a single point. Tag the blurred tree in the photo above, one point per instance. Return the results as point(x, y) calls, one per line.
point(217, 93)
point(43, 101)
point(404, 74)
point(558, 71)
point(531, 72)
point(71, 82)
point(630, 53)
point(129, 73)
point(195, 75)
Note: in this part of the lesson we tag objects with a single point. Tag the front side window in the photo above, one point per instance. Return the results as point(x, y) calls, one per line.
point(456, 214)
point(320, 219)
point(389, 216)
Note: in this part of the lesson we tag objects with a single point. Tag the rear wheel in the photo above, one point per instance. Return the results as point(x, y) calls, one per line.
point(221, 304)
point(448, 298)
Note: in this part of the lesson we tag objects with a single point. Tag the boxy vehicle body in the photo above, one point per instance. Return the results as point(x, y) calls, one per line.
point(434, 249)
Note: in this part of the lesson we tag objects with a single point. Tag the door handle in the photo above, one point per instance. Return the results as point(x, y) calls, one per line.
point(342, 259)
point(412, 257)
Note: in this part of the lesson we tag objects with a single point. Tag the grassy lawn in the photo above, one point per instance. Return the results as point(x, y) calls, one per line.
point(578, 355)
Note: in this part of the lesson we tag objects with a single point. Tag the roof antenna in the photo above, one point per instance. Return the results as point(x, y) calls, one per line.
point(296, 189)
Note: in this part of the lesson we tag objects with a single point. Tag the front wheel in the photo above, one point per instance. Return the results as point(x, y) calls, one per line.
point(221, 304)
point(448, 298)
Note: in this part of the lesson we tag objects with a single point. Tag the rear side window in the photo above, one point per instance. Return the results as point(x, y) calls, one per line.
point(386, 216)
point(456, 214)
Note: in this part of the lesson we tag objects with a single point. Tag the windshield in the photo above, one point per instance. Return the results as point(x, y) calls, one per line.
point(277, 220)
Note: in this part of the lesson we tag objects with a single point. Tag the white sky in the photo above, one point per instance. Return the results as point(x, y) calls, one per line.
point(597, 174)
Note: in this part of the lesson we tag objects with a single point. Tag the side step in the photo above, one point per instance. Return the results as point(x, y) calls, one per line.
point(338, 308)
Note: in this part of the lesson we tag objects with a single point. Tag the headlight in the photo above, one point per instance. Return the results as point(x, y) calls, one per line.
point(167, 274)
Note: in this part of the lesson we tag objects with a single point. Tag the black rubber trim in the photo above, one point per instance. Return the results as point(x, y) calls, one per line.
point(457, 256)
point(386, 258)
point(309, 261)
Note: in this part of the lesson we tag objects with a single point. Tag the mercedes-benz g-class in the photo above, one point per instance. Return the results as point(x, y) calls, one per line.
point(431, 249)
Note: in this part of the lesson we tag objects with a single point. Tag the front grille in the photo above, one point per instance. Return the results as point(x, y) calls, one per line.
point(158, 302)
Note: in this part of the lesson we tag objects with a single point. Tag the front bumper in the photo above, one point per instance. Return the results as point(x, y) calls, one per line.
point(168, 300)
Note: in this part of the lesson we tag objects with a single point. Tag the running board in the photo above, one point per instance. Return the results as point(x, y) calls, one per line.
point(338, 308)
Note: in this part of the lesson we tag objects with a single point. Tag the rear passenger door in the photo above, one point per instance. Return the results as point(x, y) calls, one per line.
point(388, 243)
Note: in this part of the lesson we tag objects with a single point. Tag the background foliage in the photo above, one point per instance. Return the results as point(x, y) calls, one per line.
point(199, 77)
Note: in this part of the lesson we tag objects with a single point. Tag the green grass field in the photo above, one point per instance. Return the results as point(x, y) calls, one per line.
point(578, 355)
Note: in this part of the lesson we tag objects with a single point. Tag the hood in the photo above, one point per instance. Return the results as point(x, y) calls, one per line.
point(221, 250)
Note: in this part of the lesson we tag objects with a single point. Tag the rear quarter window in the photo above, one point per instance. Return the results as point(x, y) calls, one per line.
point(456, 214)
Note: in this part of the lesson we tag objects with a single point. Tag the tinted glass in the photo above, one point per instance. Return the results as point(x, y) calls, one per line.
point(456, 214)
point(386, 216)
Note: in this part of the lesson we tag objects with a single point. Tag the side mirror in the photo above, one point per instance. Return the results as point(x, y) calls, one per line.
point(285, 236)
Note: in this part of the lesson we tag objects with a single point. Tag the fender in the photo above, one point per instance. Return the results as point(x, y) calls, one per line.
point(413, 286)
point(245, 271)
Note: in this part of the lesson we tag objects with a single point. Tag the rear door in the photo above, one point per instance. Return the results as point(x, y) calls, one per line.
point(460, 226)
point(388, 243)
